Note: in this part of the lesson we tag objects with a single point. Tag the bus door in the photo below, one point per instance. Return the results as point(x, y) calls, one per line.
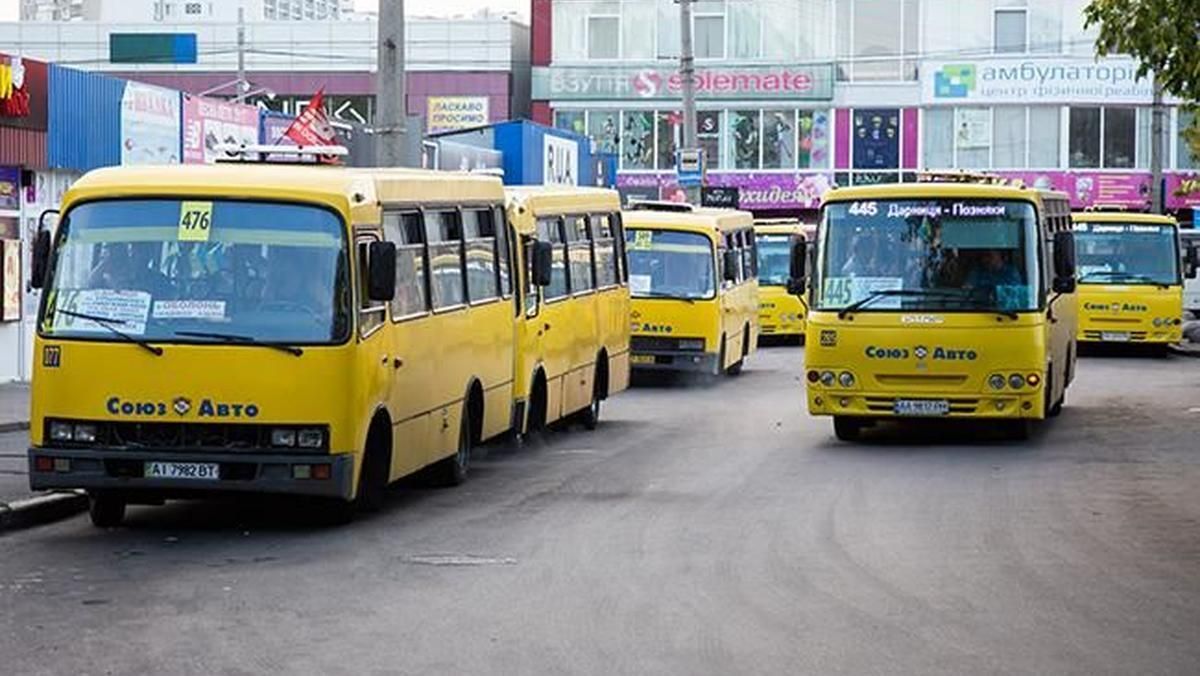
point(552, 325)
point(583, 314)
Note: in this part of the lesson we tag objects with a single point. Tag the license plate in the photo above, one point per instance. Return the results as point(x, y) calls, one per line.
point(642, 359)
point(204, 471)
point(1115, 336)
point(921, 407)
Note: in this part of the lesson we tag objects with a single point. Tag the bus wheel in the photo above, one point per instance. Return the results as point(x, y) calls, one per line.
point(373, 480)
point(590, 416)
point(453, 470)
point(846, 428)
point(1053, 410)
point(106, 510)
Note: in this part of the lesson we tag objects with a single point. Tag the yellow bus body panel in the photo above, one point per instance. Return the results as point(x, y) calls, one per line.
point(1126, 312)
point(924, 354)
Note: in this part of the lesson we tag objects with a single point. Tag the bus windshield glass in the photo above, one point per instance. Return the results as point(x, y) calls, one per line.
point(929, 254)
point(669, 264)
point(194, 271)
point(774, 259)
point(1126, 253)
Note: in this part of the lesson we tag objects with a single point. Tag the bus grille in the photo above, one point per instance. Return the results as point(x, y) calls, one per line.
point(1099, 335)
point(168, 436)
point(657, 344)
point(887, 405)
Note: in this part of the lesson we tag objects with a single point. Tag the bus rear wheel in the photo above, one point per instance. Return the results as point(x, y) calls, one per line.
point(846, 428)
point(106, 510)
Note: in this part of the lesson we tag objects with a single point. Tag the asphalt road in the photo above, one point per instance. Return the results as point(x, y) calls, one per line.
point(701, 530)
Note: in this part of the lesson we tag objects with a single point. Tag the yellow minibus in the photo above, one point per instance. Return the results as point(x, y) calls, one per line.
point(573, 331)
point(692, 276)
point(1131, 272)
point(940, 300)
point(780, 313)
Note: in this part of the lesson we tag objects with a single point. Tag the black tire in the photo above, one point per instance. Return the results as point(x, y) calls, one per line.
point(106, 511)
point(1053, 410)
point(452, 471)
point(373, 480)
point(720, 369)
point(536, 418)
point(846, 428)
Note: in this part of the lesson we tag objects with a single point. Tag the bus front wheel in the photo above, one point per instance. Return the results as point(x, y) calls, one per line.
point(846, 428)
point(106, 510)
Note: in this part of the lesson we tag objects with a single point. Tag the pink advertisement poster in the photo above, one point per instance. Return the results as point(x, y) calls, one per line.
point(755, 190)
point(1130, 190)
point(208, 123)
point(1182, 191)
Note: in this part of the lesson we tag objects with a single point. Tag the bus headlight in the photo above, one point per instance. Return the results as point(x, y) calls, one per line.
point(996, 381)
point(61, 431)
point(310, 438)
point(1158, 321)
point(691, 344)
point(827, 378)
point(85, 433)
point(846, 379)
point(1016, 381)
point(283, 437)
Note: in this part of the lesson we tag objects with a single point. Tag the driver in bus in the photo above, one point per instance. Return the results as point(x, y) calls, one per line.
point(992, 271)
point(294, 279)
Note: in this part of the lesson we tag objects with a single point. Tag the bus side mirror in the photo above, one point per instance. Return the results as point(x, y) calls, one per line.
point(1064, 262)
point(543, 261)
point(381, 271)
point(40, 262)
point(1191, 261)
point(729, 266)
point(798, 268)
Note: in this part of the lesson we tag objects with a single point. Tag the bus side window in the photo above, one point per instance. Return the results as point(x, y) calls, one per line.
point(606, 251)
point(579, 253)
point(503, 252)
point(748, 263)
point(370, 313)
point(443, 230)
point(550, 230)
point(532, 293)
point(412, 291)
point(479, 235)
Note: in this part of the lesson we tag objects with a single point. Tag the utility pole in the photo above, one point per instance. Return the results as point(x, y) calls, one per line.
point(687, 73)
point(1156, 149)
point(243, 85)
point(390, 109)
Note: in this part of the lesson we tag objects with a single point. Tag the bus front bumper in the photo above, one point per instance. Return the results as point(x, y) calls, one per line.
point(926, 405)
point(663, 360)
point(122, 470)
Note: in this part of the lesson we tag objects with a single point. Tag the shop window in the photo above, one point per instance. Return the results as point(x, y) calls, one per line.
point(779, 139)
point(638, 140)
point(604, 37)
point(1044, 133)
point(973, 137)
point(1009, 31)
point(571, 120)
point(876, 138)
point(744, 139)
point(1084, 138)
point(1008, 137)
point(708, 126)
point(938, 137)
point(670, 128)
point(812, 148)
point(1120, 134)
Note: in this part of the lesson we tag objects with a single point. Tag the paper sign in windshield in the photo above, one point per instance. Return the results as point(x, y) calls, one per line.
point(195, 221)
point(643, 239)
point(210, 310)
point(126, 310)
point(639, 284)
point(842, 291)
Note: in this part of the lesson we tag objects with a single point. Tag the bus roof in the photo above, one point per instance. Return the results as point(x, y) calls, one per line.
point(779, 226)
point(695, 219)
point(338, 187)
point(939, 190)
point(556, 199)
point(1120, 217)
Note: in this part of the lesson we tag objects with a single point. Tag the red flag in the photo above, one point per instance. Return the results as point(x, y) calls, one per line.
point(311, 127)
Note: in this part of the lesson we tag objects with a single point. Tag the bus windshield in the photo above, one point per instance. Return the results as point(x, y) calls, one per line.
point(191, 271)
point(774, 259)
point(929, 254)
point(1126, 253)
point(668, 264)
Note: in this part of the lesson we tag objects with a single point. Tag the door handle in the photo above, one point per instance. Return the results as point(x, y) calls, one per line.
point(397, 362)
point(546, 327)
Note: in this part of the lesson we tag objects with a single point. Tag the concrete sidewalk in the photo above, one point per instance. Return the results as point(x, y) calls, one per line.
point(19, 506)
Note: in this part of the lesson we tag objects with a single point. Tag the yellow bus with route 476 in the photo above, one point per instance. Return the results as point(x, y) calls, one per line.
point(301, 330)
point(940, 300)
point(573, 334)
point(1131, 276)
point(692, 277)
point(780, 312)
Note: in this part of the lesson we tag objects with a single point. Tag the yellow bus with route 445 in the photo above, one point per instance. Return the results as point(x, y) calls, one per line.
point(942, 300)
point(1131, 276)
point(297, 330)
point(573, 334)
point(692, 277)
point(780, 313)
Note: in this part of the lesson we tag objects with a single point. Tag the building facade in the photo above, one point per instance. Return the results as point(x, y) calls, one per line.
point(796, 96)
point(141, 11)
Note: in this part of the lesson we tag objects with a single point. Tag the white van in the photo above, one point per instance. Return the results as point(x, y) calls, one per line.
point(1190, 239)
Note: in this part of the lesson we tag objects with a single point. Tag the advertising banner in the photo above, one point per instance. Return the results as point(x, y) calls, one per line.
point(808, 82)
point(451, 113)
point(208, 123)
point(1182, 190)
point(561, 161)
point(149, 125)
point(10, 309)
point(762, 191)
point(23, 93)
point(10, 188)
point(1033, 81)
point(1091, 188)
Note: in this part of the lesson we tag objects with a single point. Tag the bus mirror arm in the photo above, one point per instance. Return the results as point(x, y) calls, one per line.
point(381, 271)
point(40, 258)
point(543, 262)
point(730, 266)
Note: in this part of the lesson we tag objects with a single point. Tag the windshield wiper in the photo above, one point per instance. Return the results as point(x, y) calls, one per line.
point(110, 324)
point(241, 340)
point(663, 294)
point(886, 293)
point(1114, 274)
point(981, 304)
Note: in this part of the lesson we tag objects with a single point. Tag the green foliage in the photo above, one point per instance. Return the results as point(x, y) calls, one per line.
point(1164, 36)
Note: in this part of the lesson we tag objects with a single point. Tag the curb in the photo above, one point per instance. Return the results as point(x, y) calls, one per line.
point(41, 509)
point(18, 426)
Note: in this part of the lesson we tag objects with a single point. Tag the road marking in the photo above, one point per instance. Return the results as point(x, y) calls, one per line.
point(458, 560)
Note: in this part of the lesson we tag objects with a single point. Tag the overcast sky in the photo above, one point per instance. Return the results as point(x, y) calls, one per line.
point(9, 11)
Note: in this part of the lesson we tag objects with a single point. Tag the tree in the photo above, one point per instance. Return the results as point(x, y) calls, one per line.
point(1164, 36)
